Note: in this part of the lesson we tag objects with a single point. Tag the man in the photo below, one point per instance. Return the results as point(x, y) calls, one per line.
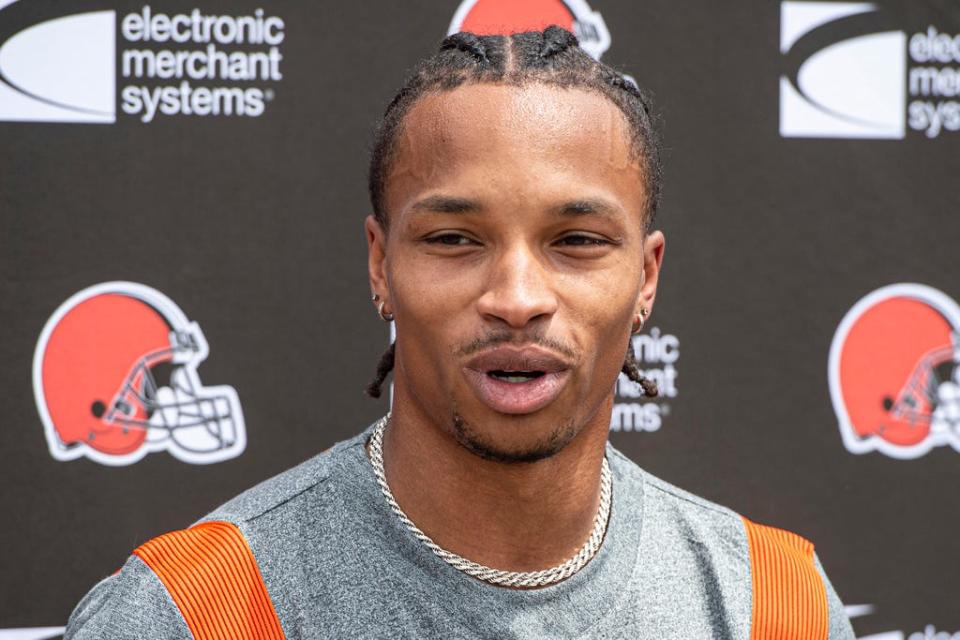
point(514, 182)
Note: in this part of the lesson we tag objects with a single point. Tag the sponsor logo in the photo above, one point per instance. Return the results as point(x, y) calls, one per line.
point(934, 82)
point(115, 378)
point(32, 633)
point(488, 17)
point(60, 70)
point(852, 71)
point(231, 51)
point(64, 69)
point(929, 632)
point(657, 354)
point(893, 372)
point(841, 83)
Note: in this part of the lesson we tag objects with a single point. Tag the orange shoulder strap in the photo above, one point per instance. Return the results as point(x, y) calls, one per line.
point(789, 598)
point(212, 576)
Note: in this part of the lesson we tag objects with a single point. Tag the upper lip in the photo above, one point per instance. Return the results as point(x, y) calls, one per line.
point(517, 359)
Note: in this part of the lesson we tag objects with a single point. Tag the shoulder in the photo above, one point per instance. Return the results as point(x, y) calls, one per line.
point(699, 521)
point(283, 491)
point(166, 588)
point(128, 605)
point(774, 572)
point(296, 512)
point(671, 513)
point(162, 589)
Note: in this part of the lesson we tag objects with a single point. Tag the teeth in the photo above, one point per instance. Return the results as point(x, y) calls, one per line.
point(515, 376)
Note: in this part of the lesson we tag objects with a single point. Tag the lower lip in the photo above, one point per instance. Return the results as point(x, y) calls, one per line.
point(517, 397)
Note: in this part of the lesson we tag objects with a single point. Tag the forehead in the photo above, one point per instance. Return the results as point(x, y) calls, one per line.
point(517, 137)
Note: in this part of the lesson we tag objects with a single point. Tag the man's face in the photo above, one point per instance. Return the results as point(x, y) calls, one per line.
point(515, 263)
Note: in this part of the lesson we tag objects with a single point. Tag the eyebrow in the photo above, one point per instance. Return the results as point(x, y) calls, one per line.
point(572, 208)
point(587, 207)
point(447, 204)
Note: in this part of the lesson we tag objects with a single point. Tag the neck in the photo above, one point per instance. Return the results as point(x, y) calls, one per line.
point(510, 516)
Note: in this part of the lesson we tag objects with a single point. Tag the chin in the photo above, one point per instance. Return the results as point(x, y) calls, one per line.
point(519, 444)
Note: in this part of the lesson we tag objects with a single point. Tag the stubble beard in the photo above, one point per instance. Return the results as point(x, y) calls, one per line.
point(549, 446)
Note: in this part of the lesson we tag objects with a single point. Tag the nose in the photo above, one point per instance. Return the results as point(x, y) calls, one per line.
point(519, 289)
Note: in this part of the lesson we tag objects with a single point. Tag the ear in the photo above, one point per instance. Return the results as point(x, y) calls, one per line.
point(377, 257)
point(653, 246)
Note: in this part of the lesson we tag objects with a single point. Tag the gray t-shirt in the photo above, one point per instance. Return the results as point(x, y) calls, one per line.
point(337, 563)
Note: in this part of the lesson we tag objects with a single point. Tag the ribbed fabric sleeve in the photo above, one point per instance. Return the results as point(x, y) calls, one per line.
point(214, 580)
point(789, 597)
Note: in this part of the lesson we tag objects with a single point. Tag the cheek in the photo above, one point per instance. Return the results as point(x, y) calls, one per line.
point(432, 291)
point(602, 302)
point(432, 303)
point(599, 314)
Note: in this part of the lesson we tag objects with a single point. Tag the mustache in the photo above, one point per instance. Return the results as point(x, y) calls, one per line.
point(504, 336)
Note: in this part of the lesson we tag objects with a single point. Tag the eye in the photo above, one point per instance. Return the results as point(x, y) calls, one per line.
point(449, 240)
point(580, 240)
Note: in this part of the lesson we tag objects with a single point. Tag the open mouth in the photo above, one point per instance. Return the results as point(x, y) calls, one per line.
point(517, 380)
point(514, 376)
point(510, 391)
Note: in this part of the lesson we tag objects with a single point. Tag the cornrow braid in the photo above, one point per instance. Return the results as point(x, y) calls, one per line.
point(551, 57)
point(384, 367)
point(631, 368)
point(556, 40)
point(468, 43)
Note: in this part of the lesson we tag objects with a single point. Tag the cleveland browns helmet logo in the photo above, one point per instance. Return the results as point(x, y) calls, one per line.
point(893, 372)
point(492, 17)
point(115, 377)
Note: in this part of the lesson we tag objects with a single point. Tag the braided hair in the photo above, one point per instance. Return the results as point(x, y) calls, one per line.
point(550, 57)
